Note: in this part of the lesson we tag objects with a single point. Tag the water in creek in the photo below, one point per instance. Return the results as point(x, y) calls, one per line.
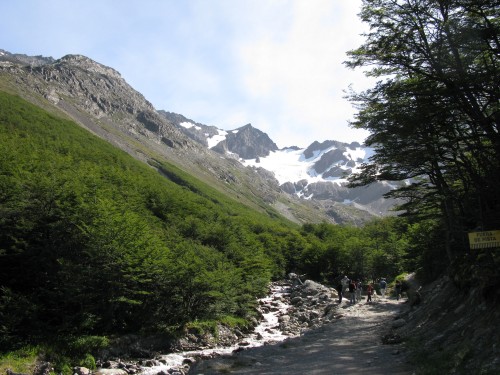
point(267, 331)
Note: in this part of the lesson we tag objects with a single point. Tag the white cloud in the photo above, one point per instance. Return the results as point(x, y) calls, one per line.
point(303, 73)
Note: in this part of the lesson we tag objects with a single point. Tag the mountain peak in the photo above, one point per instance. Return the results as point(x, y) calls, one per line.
point(88, 64)
point(247, 127)
point(248, 142)
point(76, 57)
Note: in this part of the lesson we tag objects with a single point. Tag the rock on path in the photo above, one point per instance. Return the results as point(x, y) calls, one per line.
point(349, 345)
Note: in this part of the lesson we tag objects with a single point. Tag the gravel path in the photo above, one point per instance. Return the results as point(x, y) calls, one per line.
point(349, 345)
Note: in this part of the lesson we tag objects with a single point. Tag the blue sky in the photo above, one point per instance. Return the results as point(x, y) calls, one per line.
point(276, 64)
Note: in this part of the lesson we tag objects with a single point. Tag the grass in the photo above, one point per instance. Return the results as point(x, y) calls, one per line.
point(203, 326)
point(233, 321)
point(22, 360)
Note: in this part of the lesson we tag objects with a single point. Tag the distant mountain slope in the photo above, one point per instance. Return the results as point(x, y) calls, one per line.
point(318, 172)
point(238, 163)
point(194, 130)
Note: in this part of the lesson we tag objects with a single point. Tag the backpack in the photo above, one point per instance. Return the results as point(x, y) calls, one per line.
point(383, 284)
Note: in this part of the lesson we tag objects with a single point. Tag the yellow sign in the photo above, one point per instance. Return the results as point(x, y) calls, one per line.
point(482, 240)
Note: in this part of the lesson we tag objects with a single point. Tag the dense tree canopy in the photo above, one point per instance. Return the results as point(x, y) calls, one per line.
point(92, 241)
point(434, 116)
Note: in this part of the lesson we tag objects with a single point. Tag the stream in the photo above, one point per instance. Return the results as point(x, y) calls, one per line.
point(266, 332)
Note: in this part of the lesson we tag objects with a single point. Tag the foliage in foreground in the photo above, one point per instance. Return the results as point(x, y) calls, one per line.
point(22, 360)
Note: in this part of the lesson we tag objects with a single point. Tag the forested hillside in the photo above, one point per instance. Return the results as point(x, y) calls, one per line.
point(93, 240)
point(95, 243)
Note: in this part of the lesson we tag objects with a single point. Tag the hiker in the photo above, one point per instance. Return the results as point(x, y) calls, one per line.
point(359, 289)
point(383, 285)
point(352, 291)
point(405, 288)
point(417, 297)
point(369, 292)
point(338, 288)
point(342, 287)
point(345, 283)
point(397, 287)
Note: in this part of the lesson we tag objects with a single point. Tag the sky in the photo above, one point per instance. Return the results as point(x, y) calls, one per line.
point(277, 64)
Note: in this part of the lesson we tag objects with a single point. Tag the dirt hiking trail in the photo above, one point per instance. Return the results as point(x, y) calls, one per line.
point(349, 345)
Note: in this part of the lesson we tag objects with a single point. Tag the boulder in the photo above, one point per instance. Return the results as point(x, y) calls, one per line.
point(81, 371)
point(312, 288)
point(296, 300)
point(398, 323)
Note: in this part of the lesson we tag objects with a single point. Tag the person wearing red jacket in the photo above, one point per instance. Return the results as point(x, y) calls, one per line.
point(369, 292)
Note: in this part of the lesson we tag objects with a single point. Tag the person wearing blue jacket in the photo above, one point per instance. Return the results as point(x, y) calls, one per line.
point(383, 286)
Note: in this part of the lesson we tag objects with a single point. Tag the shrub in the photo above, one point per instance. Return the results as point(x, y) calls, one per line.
point(88, 362)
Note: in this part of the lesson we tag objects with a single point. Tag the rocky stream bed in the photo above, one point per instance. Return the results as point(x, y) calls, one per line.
point(303, 330)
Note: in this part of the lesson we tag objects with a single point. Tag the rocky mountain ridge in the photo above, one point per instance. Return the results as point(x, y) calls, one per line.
point(318, 172)
point(99, 99)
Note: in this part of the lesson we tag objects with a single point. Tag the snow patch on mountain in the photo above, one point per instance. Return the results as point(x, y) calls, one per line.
point(189, 125)
point(288, 165)
point(216, 139)
point(291, 165)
